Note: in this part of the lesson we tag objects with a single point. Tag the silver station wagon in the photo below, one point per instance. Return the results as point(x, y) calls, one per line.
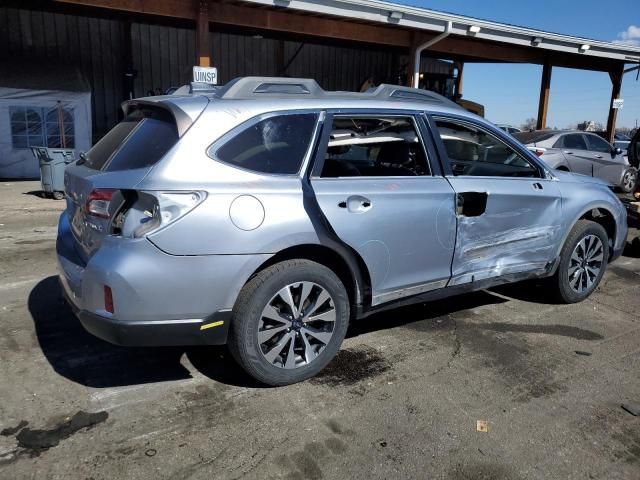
point(268, 213)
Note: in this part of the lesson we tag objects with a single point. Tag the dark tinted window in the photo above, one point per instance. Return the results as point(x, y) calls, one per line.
point(275, 145)
point(475, 152)
point(598, 145)
point(374, 147)
point(572, 140)
point(140, 140)
point(533, 137)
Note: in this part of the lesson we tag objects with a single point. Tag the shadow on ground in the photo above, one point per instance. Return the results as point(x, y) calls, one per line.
point(85, 359)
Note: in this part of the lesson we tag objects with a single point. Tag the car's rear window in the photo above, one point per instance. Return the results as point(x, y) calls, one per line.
point(140, 140)
point(533, 137)
point(275, 145)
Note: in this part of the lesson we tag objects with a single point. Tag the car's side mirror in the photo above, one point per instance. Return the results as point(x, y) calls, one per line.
point(617, 150)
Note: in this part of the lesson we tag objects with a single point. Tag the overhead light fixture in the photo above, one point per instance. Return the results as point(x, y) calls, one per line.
point(585, 47)
point(473, 29)
point(395, 15)
point(535, 41)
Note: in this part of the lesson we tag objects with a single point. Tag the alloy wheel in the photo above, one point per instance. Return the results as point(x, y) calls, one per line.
point(629, 180)
point(296, 325)
point(585, 263)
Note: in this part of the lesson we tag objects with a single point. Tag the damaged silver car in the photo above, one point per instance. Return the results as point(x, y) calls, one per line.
point(267, 214)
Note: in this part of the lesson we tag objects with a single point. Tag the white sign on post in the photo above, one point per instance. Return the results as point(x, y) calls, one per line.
point(205, 75)
point(617, 103)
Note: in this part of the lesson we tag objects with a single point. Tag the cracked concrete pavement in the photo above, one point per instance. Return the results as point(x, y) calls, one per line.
point(401, 400)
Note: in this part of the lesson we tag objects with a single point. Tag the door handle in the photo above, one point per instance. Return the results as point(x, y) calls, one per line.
point(599, 156)
point(568, 153)
point(537, 186)
point(356, 204)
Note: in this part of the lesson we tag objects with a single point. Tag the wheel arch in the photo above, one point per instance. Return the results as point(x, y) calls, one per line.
point(356, 280)
point(600, 214)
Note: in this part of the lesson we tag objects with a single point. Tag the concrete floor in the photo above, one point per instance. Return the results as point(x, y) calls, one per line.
point(400, 401)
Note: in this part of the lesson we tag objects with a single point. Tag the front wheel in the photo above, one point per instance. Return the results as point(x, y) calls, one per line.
point(289, 322)
point(629, 181)
point(583, 260)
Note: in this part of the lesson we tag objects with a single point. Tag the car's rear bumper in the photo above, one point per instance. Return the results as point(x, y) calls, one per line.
point(209, 331)
point(158, 299)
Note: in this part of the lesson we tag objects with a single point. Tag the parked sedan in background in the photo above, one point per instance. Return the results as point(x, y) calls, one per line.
point(582, 152)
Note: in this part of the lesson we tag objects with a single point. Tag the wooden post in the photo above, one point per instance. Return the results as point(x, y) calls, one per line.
point(202, 34)
point(616, 86)
point(543, 105)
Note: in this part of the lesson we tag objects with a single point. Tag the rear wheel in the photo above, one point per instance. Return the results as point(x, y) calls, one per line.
point(583, 260)
point(58, 195)
point(289, 322)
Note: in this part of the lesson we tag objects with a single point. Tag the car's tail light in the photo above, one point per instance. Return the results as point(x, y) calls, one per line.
point(147, 211)
point(98, 202)
point(108, 299)
point(538, 151)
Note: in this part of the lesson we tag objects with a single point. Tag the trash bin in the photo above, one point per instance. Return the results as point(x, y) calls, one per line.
point(52, 162)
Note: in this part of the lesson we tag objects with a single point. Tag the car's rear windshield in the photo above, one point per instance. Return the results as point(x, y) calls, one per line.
point(142, 138)
point(533, 137)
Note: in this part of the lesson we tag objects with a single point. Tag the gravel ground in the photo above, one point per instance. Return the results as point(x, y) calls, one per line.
point(401, 400)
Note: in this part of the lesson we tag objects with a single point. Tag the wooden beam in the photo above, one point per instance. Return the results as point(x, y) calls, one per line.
point(203, 56)
point(616, 86)
point(543, 104)
point(295, 23)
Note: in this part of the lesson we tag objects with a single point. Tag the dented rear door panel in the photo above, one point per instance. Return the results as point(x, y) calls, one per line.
point(519, 230)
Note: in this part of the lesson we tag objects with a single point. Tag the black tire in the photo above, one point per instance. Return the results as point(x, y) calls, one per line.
point(629, 181)
point(560, 281)
point(58, 195)
point(247, 314)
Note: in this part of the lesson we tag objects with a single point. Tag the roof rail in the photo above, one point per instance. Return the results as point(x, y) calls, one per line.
point(396, 92)
point(282, 87)
point(252, 87)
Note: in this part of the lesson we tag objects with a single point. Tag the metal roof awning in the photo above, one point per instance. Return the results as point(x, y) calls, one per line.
point(421, 19)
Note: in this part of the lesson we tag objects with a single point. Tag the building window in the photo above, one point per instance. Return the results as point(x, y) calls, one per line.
point(40, 127)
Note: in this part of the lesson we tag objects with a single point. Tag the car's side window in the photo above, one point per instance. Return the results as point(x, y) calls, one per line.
point(374, 146)
point(472, 151)
point(276, 145)
point(597, 144)
point(571, 140)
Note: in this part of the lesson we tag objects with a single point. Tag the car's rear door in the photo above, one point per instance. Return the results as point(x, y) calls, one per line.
point(381, 195)
point(509, 214)
point(576, 150)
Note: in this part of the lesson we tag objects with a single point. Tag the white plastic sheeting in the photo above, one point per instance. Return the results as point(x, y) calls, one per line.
point(16, 160)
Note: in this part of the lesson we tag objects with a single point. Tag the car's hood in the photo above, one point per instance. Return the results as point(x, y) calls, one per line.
point(570, 177)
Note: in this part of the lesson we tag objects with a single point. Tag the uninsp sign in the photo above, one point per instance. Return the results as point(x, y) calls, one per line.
point(205, 75)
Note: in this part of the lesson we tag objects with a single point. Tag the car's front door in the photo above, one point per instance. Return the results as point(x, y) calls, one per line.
point(607, 164)
point(374, 183)
point(509, 214)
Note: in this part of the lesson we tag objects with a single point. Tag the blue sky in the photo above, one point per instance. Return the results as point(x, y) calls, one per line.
point(510, 92)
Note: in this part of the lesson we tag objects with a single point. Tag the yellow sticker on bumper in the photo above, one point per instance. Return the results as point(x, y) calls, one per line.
point(211, 325)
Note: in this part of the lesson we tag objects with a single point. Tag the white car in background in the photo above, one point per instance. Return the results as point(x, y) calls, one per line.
point(582, 152)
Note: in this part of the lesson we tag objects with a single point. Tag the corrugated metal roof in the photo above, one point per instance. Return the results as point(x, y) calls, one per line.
point(417, 18)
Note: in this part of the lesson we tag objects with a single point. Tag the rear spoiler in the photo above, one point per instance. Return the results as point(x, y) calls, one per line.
point(184, 117)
